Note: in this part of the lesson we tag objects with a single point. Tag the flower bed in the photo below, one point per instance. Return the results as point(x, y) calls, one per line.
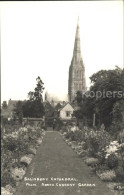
point(18, 148)
point(104, 155)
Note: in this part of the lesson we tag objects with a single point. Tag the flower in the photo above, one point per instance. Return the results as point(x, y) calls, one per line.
point(4, 191)
point(112, 148)
point(10, 188)
point(39, 141)
point(43, 132)
point(17, 173)
point(13, 135)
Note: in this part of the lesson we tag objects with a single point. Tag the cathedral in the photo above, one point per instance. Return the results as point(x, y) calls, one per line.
point(76, 80)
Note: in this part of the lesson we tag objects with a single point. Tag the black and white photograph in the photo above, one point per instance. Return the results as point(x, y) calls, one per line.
point(62, 98)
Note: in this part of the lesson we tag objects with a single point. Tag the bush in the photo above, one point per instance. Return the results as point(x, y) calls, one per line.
point(82, 153)
point(26, 160)
point(7, 179)
point(74, 136)
point(17, 173)
point(31, 150)
point(108, 175)
point(120, 173)
point(10, 144)
point(91, 161)
point(112, 161)
point(96, 141)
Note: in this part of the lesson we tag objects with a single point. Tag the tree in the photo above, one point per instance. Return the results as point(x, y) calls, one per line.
point(30, 95)
point(107, 82)
point(96, 101)
point(34, 106)
point(79, 98)
point(38, 89)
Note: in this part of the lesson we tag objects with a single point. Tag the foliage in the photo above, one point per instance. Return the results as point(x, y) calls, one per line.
point(37, 94)
point(79, 98)
point(112, 148)
point(99, 149)
point(17, 148)
point(34, 106)
point(121, 136)
point(112, 161)
point(7, 179)
point(120, 173)
point(91, 161)
point(96, 142)
point(108, 175)
point(4, 105)
point(74, 136)
point(17, 173)
point(118, 121)
point(26, 160)
point(103, 81)
point(18, 112)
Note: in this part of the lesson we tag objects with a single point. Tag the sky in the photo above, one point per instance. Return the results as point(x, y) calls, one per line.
point(37, 39)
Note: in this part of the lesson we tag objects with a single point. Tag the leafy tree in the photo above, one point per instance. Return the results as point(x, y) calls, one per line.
point(38, 89)
point(34, 106)
point(107, 82)
point(30, 95)
point(107, 88)
point(79, 98)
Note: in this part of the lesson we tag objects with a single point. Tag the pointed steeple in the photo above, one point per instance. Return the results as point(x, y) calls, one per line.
point(76, 80)
point(77, 48)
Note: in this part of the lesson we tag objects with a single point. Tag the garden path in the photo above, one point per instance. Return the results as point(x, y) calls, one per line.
point(55, 159)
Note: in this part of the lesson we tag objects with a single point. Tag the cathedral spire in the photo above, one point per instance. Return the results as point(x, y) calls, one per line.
point(76, 80)
point(77, 48)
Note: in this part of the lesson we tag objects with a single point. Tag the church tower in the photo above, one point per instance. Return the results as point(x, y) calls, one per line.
point(76, 80)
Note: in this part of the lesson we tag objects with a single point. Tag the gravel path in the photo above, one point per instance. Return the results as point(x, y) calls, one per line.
point(55, 160)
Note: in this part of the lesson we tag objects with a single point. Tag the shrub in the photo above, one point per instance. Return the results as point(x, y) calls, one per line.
point(32, 150)
point(11, 144)
point(112, 148)
point(74, 136)
point(112, 161)
point(10, 188)
point(108, 175)
point(39, 141)
point(120, 173)
point(4, 191)
point(96, 141)
point(91, 161)
point(17, 173)
point(121, 136)
point(82, 153)
point(102, 167)
point(7, 179)
point(26, 160)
